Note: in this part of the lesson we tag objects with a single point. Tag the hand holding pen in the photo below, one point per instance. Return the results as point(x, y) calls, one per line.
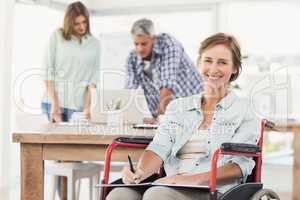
point(131, 165)
point(130, 175)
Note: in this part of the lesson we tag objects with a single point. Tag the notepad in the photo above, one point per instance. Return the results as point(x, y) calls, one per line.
point(150, 184)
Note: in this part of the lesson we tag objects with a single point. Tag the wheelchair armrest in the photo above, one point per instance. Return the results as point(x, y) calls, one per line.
point(240, 147)
point(228, 148)
point(134, 140)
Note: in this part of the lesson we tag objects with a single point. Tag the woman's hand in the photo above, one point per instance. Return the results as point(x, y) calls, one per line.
point(129, 177)
point(87, 112)
point(56, 117)
point(55, 113)
point(197, 179)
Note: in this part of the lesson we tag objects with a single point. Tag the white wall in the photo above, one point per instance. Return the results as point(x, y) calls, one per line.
point(6, 15)
point(269, 35)
point(116, 42)
point(33, 26)
point(266, 27)
point(113, 4)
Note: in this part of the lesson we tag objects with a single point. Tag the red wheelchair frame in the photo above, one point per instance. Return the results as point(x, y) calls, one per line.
point(237, 192)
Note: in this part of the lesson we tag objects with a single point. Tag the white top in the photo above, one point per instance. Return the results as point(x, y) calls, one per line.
point(72, 65)
point(147, 68)
point(195, 148)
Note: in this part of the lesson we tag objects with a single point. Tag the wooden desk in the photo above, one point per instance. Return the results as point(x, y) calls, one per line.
point(55, 142)
point(52, 142)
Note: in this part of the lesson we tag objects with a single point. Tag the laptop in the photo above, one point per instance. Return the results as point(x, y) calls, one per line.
point(132, 105)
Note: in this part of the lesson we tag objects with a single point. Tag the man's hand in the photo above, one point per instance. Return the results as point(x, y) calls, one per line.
point(148, 120)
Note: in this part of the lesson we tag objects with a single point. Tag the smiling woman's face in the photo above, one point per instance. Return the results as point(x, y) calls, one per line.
point(216, 66)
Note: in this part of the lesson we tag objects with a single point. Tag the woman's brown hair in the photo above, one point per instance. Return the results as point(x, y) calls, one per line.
point(231, 43)
point(74, 10)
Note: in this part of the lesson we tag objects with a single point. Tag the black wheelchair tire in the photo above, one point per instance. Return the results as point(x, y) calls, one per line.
point(268, 193)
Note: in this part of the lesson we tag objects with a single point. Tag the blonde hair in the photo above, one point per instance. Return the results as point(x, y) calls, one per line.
point(74, 10)
point(231, 43)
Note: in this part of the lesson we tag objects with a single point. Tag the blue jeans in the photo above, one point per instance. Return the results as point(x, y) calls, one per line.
point(66, 116)
point(66, 113)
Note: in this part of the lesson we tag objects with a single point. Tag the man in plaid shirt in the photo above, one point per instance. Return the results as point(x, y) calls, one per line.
point(161, 67)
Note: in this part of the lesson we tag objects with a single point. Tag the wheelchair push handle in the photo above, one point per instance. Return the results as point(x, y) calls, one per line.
point(240, 147)
point(269, 124)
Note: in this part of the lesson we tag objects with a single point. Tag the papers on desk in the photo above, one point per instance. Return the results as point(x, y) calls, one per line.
point(150, 184)
point(291, 118)
point(74, 123)
point(145, 126)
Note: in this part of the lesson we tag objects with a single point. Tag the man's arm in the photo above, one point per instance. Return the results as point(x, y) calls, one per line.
point(168, 76)
point(165, 98)
point(131, 78)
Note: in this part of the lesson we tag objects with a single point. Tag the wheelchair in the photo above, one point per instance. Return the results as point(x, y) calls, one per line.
point(252, 189)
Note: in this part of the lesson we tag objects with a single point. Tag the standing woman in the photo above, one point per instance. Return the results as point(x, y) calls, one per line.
point(71, 66)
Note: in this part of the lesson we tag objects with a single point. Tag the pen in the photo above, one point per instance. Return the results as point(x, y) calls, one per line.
point(130, 164)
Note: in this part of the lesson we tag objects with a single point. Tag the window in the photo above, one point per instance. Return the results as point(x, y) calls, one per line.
point(33, 26)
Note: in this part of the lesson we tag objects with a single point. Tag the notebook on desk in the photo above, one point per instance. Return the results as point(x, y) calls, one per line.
point(145, 126)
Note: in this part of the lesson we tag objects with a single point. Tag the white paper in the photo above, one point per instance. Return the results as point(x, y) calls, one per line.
point(153, 184)
point(150, 126)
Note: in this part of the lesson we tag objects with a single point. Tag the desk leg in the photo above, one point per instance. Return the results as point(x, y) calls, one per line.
point(296, 185)
point(63, 188)
point(32, 172)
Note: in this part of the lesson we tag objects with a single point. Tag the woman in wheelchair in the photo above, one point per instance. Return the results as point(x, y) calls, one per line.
point(194, 127)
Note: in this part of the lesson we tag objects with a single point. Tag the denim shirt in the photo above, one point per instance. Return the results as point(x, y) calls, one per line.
point(233, 121)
